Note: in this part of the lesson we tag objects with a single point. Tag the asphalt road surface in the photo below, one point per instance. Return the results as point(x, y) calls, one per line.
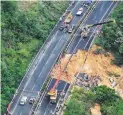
point(37, 76)
point(99, 14)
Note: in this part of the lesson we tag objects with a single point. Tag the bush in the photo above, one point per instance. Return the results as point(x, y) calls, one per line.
point(99, 51)
point(23, 33)
point(103, 94)
point(112, 37)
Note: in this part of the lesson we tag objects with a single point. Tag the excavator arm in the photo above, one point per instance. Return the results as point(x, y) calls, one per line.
point(105, 22)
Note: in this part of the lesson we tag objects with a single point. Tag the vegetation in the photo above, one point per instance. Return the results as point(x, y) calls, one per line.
point(81, 101)
point(111, 104)
point(112, 37)
point(23, 33)
point(78, 103)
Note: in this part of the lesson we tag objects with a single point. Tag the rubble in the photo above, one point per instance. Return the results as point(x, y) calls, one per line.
point(95, 65)
point(90, 81)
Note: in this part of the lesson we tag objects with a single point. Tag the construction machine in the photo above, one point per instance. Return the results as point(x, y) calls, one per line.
point(86, 29)
point(68, 18)
point(53, 93)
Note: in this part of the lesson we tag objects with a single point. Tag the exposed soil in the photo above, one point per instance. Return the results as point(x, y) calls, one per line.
point(96, 64)
point(95, 110)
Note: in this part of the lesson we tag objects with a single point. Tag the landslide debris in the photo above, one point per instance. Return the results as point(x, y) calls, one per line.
point(96, 64)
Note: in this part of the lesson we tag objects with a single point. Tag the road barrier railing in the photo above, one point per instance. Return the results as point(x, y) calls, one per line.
point(71, 86)
point(34, 62)
point(47, 81)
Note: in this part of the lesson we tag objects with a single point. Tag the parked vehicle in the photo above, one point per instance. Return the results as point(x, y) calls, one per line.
point(68, 18)
point(32, 100)
point(73, 3)
point(61, 28)
point(80, 11)
point(70, 29)
point(23, 100)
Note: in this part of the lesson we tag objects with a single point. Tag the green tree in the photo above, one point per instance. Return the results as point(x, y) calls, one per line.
point(75, 107)
point(103, 94)
point(23, 33)
point(119, 107)
point(112, 37)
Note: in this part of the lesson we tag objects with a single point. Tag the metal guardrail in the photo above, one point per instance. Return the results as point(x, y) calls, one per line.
point(41, 93)
point(46, 80)
point(94, 5)
point(34, 61)
point(70, 87)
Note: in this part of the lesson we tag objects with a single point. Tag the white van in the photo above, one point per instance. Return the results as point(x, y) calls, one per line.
point(23, 100)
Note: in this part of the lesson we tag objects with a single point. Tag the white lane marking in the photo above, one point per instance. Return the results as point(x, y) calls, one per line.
point(50, 81)
point(75, 6)
point(20, 113)
point(37, 59)
point(84, 48)
point(102, 7)
point(42, 97)
point(42, 55)
point(94, 17)
point(47, 108)
point(47, 46)
point(50, 55)
point(25, 87)
point(33, 87)
point(44, 93)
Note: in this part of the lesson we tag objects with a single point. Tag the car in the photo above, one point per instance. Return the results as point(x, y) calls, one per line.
point(79, 12)
point(85, 5)
point(66, 13)
point(61, 28)
point(73, 3)
point(60, 19)
point(88, 2)
point(23, 100)
point(32, 100)
point(70, 29)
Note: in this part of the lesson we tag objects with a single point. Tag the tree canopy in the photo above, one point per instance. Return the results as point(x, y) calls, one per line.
point(23, 33)
point(81, 101)
point(112, 37)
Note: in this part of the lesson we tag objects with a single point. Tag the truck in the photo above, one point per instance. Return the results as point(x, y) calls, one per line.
point(53, 97)
point(84, 32)
point(68, 18)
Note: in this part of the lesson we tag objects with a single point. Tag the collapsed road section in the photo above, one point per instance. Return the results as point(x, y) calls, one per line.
point(44, 107)
point(44, 93)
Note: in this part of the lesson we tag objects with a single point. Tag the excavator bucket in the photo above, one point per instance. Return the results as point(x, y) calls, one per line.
point(51, 92)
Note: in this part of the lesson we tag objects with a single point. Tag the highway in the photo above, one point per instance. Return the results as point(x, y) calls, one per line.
point(36, 76)
point(101, 12)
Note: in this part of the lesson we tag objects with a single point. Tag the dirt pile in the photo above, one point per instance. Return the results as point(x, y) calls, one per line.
point(96, 64)
point(71, 70)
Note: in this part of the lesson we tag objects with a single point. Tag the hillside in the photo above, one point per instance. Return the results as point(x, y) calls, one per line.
point(25, 26)
point(102, 92)
point(95, 65)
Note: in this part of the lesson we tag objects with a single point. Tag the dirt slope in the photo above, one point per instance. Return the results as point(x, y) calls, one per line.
point(94, 65)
